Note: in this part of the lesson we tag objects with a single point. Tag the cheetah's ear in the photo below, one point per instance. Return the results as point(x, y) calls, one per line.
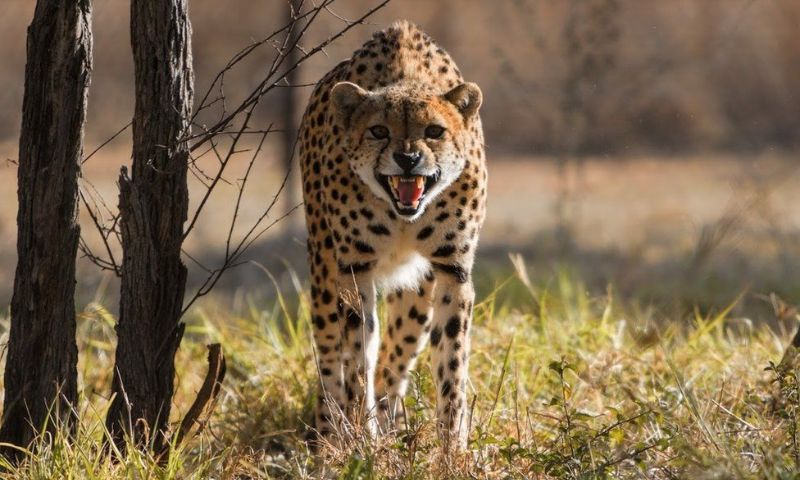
point(467, 97)
point(346, 97)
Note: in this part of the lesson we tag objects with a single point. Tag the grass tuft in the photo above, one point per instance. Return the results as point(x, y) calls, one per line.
point(564, 383)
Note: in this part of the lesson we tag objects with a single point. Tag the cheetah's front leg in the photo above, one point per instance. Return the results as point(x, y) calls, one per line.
point(452, 317)
point(409, 324)
point(357, 302)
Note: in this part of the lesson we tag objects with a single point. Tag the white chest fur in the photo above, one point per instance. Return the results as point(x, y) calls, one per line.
point(403, 269)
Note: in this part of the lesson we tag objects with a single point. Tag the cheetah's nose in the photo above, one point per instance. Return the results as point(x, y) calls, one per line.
point(407, 161)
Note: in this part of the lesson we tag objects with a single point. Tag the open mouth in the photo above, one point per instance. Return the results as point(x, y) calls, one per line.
point(407, 191)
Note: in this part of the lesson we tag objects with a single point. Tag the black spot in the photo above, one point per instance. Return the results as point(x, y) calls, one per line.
point(353, 319)
point(361, 68)
point(462, 276)
point(379, 229)
point(447, 387)
point(355, 267)
point(410, 339)
point(366, 212)
point(453, 326)
point(364, 248)
point(436, 336)
point(327, 297)
point(442, 251)
point(318, 321)
point(442, 217)
point(326, 372)
point(425, 233)
point(413, 313)
point(453, 364)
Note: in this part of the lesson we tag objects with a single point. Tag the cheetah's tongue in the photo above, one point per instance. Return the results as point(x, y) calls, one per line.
point(409, 189)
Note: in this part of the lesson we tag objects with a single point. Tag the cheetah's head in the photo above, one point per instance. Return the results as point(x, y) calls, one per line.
point(407, 143)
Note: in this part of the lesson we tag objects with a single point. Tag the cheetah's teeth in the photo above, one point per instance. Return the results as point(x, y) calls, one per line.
point(408, 191)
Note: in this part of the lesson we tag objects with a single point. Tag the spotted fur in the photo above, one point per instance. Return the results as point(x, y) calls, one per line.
point(362, 241)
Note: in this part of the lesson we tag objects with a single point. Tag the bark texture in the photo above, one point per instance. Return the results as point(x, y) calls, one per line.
point(41, 368)
point(289, 107)
point(153, 205)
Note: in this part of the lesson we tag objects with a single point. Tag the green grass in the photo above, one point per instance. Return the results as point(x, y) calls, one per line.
point(564, 384)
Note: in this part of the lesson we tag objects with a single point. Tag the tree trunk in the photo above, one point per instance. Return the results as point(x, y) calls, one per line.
point(153, 206)
point(41, 369)
point(290, 109)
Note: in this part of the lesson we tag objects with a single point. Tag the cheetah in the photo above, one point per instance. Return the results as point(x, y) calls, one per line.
point(394, 186)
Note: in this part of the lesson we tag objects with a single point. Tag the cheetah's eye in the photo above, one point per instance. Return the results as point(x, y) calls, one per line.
point(379, 132)
point(434, 131)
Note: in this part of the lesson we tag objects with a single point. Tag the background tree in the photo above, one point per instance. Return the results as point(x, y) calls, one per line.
point(290, 100)
point(154, 200)
point(41, 369)
point(153, 205)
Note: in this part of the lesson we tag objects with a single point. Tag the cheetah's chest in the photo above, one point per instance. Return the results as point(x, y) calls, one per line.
point(397, 259)
point(401, 269)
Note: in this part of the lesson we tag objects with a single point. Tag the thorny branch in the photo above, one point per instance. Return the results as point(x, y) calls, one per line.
point(233, 124)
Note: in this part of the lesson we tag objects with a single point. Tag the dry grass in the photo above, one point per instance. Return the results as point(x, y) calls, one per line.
point(564, 384)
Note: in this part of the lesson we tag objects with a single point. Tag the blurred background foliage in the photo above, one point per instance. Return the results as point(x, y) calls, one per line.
point(598, 76)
